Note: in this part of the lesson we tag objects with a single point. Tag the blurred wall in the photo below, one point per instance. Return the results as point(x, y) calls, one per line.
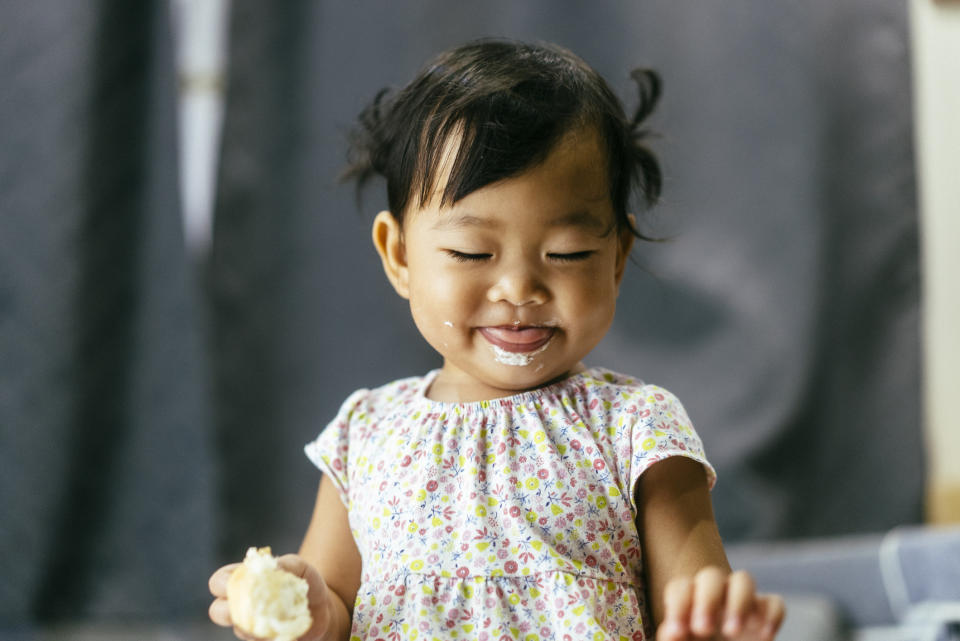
point(936, 38)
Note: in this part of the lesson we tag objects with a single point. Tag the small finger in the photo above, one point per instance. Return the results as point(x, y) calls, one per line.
point(677, 601)
point(709, 587)
point(774, 612)
point(219, 612)
point(218, 580)
point(741, 592)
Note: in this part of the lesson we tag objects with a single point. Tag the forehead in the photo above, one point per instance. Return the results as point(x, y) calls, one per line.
point(570, 186)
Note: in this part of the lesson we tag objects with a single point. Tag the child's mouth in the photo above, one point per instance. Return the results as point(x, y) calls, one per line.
point(518, 339)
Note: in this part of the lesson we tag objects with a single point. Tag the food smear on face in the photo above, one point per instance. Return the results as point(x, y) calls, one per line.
point(516, 359)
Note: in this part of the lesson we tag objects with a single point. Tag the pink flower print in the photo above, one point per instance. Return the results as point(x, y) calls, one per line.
point(598, 464)
point(575, 444)
point(510, 566)
point(658, 396)
point(482, 475)
point(582, 493)
point(543, 474)
point(580, 628)
point(433, 558)
point(463, 572)
point(542, 520)
point(432, 485)
point(502, 554)
point(400, 591)
point(406, 461)
point(337, 464)
point(514, 511)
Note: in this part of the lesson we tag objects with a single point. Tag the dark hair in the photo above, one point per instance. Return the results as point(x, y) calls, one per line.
point(510, 103)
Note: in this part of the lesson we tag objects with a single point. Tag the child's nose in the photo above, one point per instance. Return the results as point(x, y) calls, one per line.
point(518, 285)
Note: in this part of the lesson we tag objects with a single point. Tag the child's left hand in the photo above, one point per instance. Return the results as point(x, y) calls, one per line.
point(717, 605)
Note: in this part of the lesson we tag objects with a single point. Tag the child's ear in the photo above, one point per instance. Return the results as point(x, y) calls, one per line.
point(624, 245)
point(388, 239)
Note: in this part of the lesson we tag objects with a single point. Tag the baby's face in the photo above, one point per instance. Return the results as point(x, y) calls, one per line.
point(518, 281)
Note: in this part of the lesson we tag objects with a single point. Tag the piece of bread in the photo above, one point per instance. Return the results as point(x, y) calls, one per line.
point(266, 601)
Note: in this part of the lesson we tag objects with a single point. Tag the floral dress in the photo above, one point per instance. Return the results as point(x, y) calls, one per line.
point(504, 519)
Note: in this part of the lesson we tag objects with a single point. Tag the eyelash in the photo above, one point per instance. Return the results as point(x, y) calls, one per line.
point(572, 257)
point(463, 257)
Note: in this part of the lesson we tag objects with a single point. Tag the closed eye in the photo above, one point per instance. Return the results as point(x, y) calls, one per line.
point(571, 257)
point(464, 257)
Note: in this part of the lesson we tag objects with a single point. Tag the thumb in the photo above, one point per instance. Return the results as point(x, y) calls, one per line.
point(297, 566)
point(318, 596)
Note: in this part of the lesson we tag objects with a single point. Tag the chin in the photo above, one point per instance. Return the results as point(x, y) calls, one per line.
point(519, 378)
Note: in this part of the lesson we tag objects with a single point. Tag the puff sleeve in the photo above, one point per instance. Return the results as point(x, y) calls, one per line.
point(330, 451)
point(659, 430)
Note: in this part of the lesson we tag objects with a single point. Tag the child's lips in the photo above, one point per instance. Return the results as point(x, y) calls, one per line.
point(518, 339)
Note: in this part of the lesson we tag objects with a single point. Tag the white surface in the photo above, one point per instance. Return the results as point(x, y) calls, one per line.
point(936, 56)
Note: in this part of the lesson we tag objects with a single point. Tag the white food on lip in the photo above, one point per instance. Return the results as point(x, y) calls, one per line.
point(517, 359)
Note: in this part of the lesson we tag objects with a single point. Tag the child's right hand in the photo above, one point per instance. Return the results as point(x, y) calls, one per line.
point(318, 597)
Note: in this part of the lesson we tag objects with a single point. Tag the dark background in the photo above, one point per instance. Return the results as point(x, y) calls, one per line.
point(153, 408)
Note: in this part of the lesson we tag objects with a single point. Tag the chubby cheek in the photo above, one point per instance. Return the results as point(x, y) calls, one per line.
point(441, 308)
point(592, 307)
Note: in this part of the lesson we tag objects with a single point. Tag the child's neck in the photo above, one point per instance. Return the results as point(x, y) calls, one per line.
point(453, 385)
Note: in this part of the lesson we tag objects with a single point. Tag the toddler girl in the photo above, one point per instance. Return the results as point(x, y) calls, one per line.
point(514, 493)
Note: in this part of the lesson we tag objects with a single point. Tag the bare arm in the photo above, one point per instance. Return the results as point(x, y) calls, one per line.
point(329, 547)
point(690, 585)
point(676, 525)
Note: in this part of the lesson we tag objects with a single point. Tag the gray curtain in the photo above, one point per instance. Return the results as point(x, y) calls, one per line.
point(152, 428)
point(105, 464)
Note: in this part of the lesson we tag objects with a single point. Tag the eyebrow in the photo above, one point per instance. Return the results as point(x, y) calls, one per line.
point(459, 221)
point(582, 219)
point(585, 220)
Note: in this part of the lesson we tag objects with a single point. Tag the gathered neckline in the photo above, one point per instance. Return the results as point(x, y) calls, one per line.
point(503, 401)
